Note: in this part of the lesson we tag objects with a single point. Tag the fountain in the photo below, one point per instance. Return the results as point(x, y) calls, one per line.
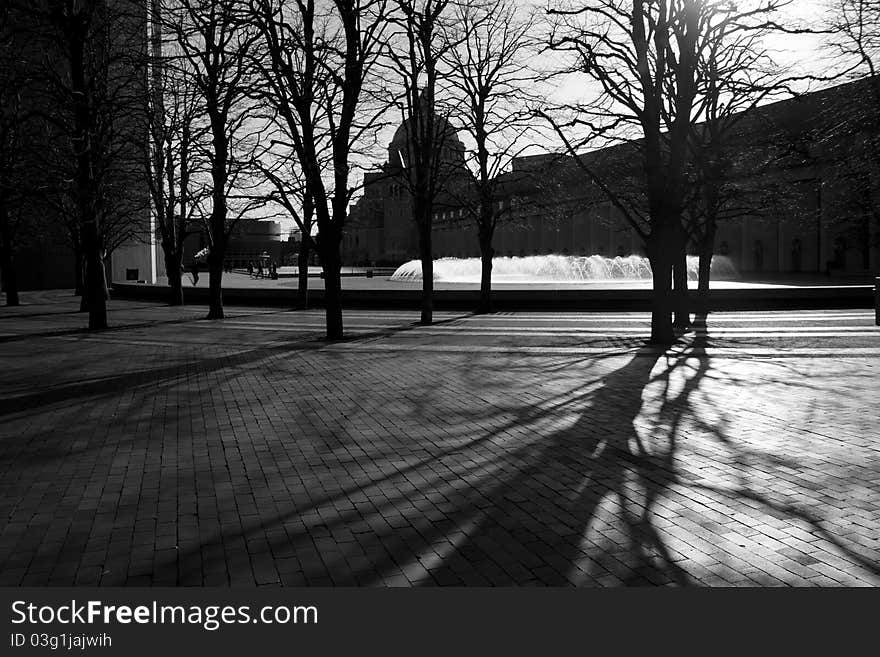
point(554, 269)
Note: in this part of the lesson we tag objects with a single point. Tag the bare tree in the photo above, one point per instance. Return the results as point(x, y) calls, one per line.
point(215, 40)
point(278, 163)
point(319, 57)
point(644, 56)
point(427, 161)
point(855, 40)
point(294, 66)
point(176, 128)
point(489, 73)
point(93, 84)
point(855, 27)
point(736, 74)
point(15, 120)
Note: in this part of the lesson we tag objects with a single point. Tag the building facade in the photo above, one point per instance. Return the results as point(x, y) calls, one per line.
point(801, 176)
point(47, 235)
point(255, 241)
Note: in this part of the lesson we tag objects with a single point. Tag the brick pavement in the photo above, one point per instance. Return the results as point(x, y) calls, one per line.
point(175, 451)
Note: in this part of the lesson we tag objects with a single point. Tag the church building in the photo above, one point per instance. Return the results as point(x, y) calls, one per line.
point(803, 182)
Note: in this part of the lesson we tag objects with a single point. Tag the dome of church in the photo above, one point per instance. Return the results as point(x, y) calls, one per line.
point(453, 148)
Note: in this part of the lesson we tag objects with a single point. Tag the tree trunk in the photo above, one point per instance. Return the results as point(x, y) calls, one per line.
point(427, 273)
point(83, 92)
point(704, 275)
point(302, 262)
point(175, 277)
point(703, 280)
point(486, 254)
point(79, 277)
point(219, 211)
point(215, 283)
point(331, 265)
point(95, 296)
point(305, 249)
point(660, 255)
point(707, 250)
point(702, 311)
point(680, 281)
point(7, 259)
point(105, 264)
point(10, 282)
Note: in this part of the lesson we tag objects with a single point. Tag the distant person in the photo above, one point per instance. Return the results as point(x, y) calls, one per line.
point(273, 271)
point(250, 268)
point(260, 269)
point(194, 272)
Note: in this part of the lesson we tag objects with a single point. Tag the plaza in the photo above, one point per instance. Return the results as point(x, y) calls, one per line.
point(506, 449)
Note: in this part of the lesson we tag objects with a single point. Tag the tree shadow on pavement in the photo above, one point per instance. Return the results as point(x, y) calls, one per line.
point(594, 520)
point(541, 515)
point(480, 470)
point(520, 513)
point(145, 379)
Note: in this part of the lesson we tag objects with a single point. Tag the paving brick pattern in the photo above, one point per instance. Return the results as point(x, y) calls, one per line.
point(174, 451)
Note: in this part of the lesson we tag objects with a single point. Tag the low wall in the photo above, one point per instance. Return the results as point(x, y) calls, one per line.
point(779, 298)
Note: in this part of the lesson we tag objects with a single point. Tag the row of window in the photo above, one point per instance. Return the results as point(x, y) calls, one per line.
point(457, 214)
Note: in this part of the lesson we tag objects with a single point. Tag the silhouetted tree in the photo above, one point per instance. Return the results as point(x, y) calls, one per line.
point(176, 127)
point(855, 28)
point(277, 162)
point(90, 67)
point(736, 74)
point(215, 38)
point(489, 74)
point(644, 56)
point(291, 64)
point(855, 41)
point(416, 53)
point(319, 58)
point(15, 120)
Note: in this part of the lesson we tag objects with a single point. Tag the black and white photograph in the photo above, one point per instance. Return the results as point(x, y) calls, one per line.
point(405, 294)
